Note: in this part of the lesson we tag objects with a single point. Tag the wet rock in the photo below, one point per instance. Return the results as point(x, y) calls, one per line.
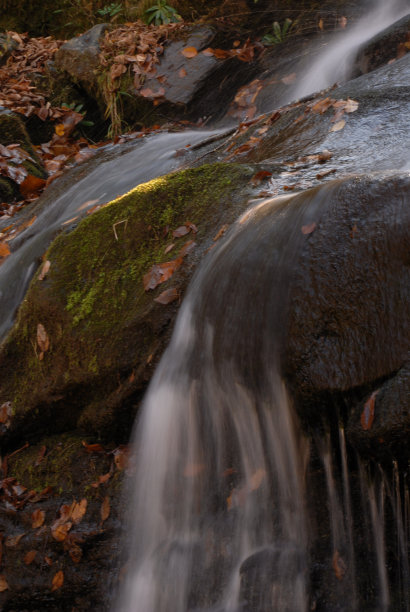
point(390, 44)
point(348, 322)
point(79, 58)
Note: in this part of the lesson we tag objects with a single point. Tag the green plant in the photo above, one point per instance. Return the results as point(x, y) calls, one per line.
point(110, 10)
point(160, 13)
point(278, 34)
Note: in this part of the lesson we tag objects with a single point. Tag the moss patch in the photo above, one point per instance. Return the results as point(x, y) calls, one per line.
point(101, 323)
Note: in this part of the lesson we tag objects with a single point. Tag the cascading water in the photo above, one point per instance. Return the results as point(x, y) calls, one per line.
point(115, 170)
point(335, 61)
point(220, 518)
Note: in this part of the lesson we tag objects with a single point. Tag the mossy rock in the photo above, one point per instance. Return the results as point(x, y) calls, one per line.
point(105, 331)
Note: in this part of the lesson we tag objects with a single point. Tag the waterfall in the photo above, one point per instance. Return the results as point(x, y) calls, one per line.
point(230, 509)
point(334, 62)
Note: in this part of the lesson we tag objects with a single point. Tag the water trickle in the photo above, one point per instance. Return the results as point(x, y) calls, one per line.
point(334, 63)
point(111, 173)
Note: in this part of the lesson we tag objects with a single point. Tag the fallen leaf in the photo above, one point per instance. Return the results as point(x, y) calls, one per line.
point(78, 511)
point(59, 129)
point(343, 22)
point(181, 231)
point(321, 106)
point(351, 106)
point(339, 566)
point(44, 270)
point(187, 248)
point(323, 174)
point(3, 583)
point(75, 553)
point(12, 541)
point(30, 556)
point(58, 581)
point(105, 509)
point(40, 455)
point(324, 156)
point(42, 338)
point(189, 52)
point(182, 73)
point(169, 248)
point(220, 233)
point(338, 126)
point(4, 250)
point(31, 185)
point(48, 561)
point(167, 296)
point(308, 229)
point(37, 518)
point(59, 532)
point(93, 448)
point(159, 273)
point(367, 417)
point(260, 176)
point(289, 79)
point(122, 455)
point(208, 52)
point(320, 24)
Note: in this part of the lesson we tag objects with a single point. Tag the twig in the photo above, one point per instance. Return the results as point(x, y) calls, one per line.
point(119, 223)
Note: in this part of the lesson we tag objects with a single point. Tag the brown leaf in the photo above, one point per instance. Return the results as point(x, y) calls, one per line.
point(75, 553)
point(43, 340)
point(181, 231)
point(48, 561)
point(4, 250)
point(105, 509)
point(93, 448)
point(289, 79)
point(169, 248)
point(209, 52)
point(159, 273)
point(117, 70)
point(44, 270)
point(121, 458)
point(78, 511)
point(167, 296)
point(149, 93)
point(220, 233)
point(182, 73)
point(339, 566)
point(338, 126)
point(308, 229)
point(260, 176)
point(30, 556)
point(40, 455)
point(187, 248)
point(367, 417)
point(351, 106)
point(31, 185)
point(321, 175)
point(12, 541)
point(58, 581)
point(102, 479)
point(3, 583)
point(6, 412)
point(189, 52)
point(37, 518)
point(321, 106)
point(59, 531)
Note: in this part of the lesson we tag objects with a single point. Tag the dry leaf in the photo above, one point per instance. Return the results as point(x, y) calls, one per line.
point(167, 296)
point(93, 448)
point(209, 52)
point(367, 417)
point(78, 511)
point(338, 126)
point(260, 176)
point(58, 581)
point(339, 566)
point(42, 338)
point(40, 455)
point(159, 273)
point(121, 456)
point(75, 553)
point(189, 52)
point(12, 541)
point(3, 583)
point(182, 73)
point(320, 24)
point(30, 556)
point(169, 248)
point(308, 229)
point(321, 106)
point(180, 231)
point(105, 509)
point(59, 531)
point(37, 518)
point(220, 233)
point(48, 561)
point(351, 106)
point(4, 250)
point(289, 79)
point(44, 270)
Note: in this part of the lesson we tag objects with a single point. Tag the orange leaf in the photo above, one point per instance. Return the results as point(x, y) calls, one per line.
point(59, 129)
point(59, 532)
point(75, 553)
point(187, 248)
point(43, 340)
point(78, 511)
point(93, 448)
point(182, 73)
point(208, 52)
point(37, 518)
point(58, 581)
point(159, 273)
point(321, 106)
point(189, 52)
point(105, 509)
point(12, 541)
point(308, 229)
point(3, 583)
point(30, 556)
point(4, 250)
point(31, 185)
point(260, 176)
point(367, 417)
point(167, 296)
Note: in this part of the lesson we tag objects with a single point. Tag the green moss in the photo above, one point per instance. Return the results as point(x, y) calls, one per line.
point(13, 131)
point(93, 305)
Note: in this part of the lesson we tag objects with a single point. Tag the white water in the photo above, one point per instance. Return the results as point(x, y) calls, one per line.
point(335, 60)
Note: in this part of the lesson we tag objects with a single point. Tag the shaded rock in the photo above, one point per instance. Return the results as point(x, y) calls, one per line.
point(79, 58)
point(380, 424)
point(348, 322)
point(7, 46)
point(390, 44)
point(104, 331)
